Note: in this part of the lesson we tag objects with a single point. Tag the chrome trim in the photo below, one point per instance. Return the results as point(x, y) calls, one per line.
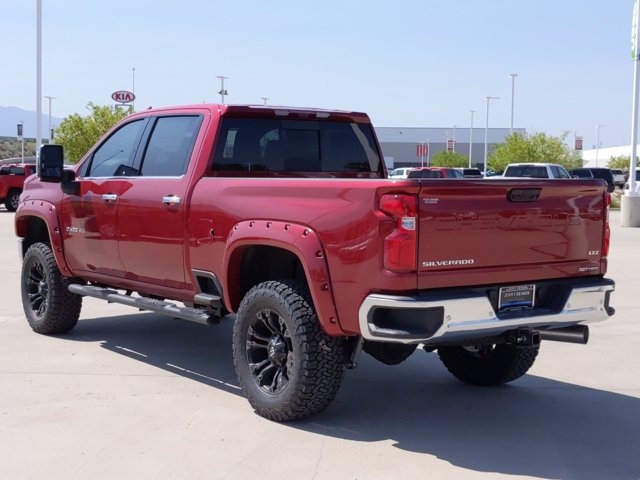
point(109, 197)
point(20, 249)
point(466, 317)
point(170, 200)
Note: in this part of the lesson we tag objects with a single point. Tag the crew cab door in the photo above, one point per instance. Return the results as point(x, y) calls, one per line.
point(151, 215)
point(89, 220)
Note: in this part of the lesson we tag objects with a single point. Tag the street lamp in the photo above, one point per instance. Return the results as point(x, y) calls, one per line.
point(471, 137)
point(598, 144)
point(50, 131)
point(264, 99)
point(133, 87)
point(486, 132)
point(38, 79)
point(513, 92)
point(222, 91)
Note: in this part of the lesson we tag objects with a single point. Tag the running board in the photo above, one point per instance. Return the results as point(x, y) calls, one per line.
point(151, 304)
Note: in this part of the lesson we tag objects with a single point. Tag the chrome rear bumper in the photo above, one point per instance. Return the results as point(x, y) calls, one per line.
point(431, 318)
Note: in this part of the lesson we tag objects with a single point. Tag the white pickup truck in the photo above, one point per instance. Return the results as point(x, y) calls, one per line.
point(535, 170)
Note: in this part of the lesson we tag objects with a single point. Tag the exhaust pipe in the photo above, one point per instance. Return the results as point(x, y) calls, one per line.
point(576, 334)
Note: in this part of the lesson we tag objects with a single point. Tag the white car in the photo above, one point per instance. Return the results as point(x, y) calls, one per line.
point(399, 173)
point(535, 170)
point(618, 177)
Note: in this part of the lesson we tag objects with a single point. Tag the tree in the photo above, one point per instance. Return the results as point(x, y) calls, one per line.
point(78, 134)
point(539, 148)
point(621, 162)
point(449, 159)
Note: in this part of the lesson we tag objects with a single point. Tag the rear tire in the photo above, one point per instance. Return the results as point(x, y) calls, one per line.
point(48, 305)
point(12, 201)
point(287, 366)
point(488, 365)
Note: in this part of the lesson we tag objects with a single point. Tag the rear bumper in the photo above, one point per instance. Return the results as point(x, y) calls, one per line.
point(453, 315)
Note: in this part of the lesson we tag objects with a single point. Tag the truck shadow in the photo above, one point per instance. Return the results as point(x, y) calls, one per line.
point(535, 427)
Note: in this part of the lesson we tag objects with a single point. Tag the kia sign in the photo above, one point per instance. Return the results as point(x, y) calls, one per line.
point(422, 149)
point(578, 145)
point(123, 96)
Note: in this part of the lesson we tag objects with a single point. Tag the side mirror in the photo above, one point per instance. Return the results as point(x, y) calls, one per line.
point(69, 184)
point(51, 163)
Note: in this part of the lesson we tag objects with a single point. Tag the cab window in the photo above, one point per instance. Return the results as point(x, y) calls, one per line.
point(116, 154)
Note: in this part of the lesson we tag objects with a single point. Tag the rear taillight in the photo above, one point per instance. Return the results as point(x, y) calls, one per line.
point(606, 239)
point(400, 254)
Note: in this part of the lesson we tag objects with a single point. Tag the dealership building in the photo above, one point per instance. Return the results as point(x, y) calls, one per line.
point(401, 146)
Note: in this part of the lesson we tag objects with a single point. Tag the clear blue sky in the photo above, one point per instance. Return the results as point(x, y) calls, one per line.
point(406, 63)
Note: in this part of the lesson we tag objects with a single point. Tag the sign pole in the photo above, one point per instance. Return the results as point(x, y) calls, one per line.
point(630, 202)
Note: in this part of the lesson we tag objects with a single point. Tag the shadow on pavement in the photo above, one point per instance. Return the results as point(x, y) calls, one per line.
point(534, 427)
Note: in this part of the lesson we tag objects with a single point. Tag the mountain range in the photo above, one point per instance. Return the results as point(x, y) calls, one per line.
point(11, 116)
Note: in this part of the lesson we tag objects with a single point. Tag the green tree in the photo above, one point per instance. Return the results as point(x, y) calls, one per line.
point(620, 162)
point(538, 148)
point(449, 159)
point(78, 134)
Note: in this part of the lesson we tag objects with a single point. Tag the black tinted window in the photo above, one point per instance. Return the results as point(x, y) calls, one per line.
point(581, 172)
point(16, 171)
point(170, 146)
point(270, 145)
point(117, 151)
point(602, 173)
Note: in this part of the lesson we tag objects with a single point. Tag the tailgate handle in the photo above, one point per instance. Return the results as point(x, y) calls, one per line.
point(522, 195)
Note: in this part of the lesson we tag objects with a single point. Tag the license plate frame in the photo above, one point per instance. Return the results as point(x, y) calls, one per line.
point(516, 297)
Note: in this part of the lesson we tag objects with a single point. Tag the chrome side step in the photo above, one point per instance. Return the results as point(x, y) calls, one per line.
point(207, 317)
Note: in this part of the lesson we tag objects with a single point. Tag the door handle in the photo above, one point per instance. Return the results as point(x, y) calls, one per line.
point(109, 197)
point(171, 200)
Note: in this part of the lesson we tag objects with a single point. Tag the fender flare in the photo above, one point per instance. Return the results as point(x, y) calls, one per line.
point(46, 212)
point(301, 241)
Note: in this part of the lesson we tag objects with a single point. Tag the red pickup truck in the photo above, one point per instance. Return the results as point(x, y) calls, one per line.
point(285, 216)
point(12, 179)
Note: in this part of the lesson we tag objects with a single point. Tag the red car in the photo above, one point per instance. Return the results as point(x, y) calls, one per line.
point(435, 172)
point(12, 179)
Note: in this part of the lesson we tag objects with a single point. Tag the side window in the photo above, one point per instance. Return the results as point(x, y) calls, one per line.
point(562, 173)
point(117, 151)
point(170, 146)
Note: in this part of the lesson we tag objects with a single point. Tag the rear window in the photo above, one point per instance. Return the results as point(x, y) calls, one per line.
point(425, 174)
point(530, 171)
point(274, 145)
point(617, 172)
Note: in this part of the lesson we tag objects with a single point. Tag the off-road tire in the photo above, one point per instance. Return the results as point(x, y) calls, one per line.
point(298, 377)
point(48, 305)
point(12, 201)
point(489, 365)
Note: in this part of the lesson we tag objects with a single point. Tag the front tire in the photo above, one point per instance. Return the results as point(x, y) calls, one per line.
point(287, 366)
point(488, 365)
point(48, 305)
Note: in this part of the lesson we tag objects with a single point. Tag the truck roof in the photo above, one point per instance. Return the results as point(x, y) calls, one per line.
point(269, 111)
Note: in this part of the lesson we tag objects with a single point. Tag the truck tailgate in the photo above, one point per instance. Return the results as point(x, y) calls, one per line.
point(508, 231)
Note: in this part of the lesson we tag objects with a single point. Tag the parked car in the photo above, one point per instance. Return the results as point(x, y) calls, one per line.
point(435, 172)
point(535, 170)
point(470, 172)
point(626, 185)
point(11, 182)
point(399, 173)
point(601, 173)
point(618, 177)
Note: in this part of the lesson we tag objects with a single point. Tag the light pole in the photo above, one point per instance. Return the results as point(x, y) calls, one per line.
point(50, 131)
point(513, 95)
point(454, 139)
point(264, 99)
point(133, 87)
point(471, 137)
point(38, 79)
point(428, 153)
point(222, 91)
point(486, 132)
point(598, 143)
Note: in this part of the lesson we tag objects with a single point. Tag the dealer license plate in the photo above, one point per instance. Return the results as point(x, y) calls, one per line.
point(514, 298)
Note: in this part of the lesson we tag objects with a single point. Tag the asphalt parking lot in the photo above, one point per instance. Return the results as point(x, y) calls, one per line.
point(135, 395)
